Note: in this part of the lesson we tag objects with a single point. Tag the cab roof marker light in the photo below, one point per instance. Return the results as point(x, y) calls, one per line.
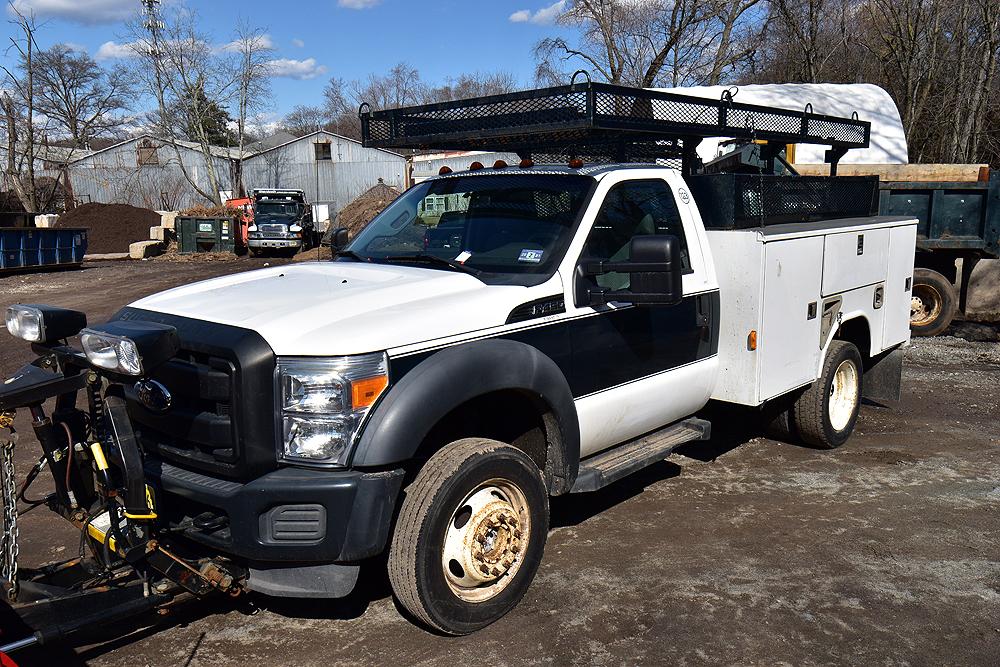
point(445, 170)
point(526, 163)
point(500, 164)
point(576, 163)
point(476, 166)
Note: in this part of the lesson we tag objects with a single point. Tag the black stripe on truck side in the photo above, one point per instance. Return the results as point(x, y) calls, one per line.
point(601, 351)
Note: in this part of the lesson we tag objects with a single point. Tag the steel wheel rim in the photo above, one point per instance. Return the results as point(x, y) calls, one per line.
point(843, 395)
point(485, 539)
point(925, 305)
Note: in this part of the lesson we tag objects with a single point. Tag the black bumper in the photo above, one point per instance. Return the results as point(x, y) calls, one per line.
point(291, 515)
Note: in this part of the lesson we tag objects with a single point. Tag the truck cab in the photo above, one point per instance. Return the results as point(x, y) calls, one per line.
point(282, 221)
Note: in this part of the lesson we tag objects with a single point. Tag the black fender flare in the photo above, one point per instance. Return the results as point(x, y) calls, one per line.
point(404, 417)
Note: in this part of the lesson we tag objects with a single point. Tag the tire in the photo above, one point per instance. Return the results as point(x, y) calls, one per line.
point(470, 491)
point(825, 415)
point(933, 303)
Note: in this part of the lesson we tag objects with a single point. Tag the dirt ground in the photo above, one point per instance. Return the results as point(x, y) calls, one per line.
point(738, 551)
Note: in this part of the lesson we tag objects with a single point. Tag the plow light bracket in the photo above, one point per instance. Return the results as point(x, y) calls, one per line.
point(38, 323)
point(129, 348)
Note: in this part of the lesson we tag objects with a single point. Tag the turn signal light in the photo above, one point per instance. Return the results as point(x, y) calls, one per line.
point(364, 392)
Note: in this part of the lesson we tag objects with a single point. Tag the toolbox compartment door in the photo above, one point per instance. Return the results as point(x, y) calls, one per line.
point(854, 259)
point(898, 286)
point(789, 347)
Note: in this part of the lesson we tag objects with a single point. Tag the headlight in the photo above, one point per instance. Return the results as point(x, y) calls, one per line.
point(112, 353)
point(295, 229)
point(26, 322)
point(252, 228)
point(323, 402)
point(39, 324)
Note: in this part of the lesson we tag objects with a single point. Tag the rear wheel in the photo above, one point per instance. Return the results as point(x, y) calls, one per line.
point(933, 303)
point(825, 415)
point(470, 535)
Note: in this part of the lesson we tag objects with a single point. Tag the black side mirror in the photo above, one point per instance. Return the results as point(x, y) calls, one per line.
point(338, 239)
point(655, 274)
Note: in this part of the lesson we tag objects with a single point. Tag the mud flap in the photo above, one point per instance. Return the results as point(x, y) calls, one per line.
point(883, 376)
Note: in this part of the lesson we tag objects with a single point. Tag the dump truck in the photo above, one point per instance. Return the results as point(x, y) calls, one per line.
point(282, 221)
point(421, 396)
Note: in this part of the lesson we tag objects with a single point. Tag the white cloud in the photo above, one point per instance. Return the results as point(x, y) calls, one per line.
point(298, 43)
point(543, 16)
point(79, 11)
point(263, 42)
point(357, 4)
point(296, 69)
point(113, 50)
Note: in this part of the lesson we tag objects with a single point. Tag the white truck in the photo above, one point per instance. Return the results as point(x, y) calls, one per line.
point(427, 393)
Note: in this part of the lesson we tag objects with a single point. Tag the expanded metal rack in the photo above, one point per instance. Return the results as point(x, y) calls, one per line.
point(600, 122)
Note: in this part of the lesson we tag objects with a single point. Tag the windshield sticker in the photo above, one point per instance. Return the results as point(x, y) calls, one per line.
point(462, 256)
point(530, 256)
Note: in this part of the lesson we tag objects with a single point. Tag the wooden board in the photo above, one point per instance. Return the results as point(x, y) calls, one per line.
point(902, 172)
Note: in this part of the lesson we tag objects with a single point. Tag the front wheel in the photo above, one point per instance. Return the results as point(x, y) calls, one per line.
point(470, 535)
point(825, 414)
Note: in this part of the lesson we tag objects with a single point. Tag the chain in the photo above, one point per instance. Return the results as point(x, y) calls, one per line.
point(8, 491)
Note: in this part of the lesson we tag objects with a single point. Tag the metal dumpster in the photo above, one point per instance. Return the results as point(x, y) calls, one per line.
point(205, 235)
point(28, 248)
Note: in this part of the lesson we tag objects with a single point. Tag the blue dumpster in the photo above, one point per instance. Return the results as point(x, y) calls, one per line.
point(30, 248)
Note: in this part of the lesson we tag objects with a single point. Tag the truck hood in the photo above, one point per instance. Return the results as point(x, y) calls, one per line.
point(336, 308)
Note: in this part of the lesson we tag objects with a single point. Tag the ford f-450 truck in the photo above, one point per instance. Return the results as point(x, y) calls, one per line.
point(426, 394)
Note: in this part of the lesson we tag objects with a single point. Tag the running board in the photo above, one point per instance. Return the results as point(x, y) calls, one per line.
point(605, 467)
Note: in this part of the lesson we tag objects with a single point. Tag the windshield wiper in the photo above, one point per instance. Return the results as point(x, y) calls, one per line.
point(351, 255)
point(433, 259)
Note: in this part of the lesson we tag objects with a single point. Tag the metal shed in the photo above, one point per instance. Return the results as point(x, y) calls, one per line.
point(330, 168)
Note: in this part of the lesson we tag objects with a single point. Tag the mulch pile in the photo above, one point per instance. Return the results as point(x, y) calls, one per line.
point(112, 226)
point(356, 215)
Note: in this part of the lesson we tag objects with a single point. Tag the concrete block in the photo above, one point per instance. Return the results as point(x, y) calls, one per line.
point(157, 233)
point(984, 291)
point(144, 249)
point(46, 220)
point(168, 218)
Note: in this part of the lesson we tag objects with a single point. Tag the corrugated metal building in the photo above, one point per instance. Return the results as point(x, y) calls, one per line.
point(428, 165)
point(149, 172)
point(331, 169)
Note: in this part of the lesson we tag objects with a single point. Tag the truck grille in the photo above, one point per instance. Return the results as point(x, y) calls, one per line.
point(271, 229)
point(198, 427)
point(221, 419)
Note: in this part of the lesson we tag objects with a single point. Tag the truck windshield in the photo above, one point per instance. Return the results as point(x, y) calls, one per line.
point(276, 209)
point(492, 223)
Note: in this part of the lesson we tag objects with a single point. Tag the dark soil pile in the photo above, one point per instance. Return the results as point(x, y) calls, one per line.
point(112, 226)
point(360, 212)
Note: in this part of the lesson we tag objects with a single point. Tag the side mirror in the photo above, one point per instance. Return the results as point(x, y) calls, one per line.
point(655, 274)
point(338, 239)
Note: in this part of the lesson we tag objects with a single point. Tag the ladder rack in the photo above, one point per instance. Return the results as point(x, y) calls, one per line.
point(604, 123)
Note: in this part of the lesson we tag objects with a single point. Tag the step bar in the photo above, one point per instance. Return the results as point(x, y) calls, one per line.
point(608, 466)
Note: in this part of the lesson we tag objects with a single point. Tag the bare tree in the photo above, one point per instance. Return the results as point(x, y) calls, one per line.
point(19, 114)
point(83, 100)
point(253, 90)
point(304, 119)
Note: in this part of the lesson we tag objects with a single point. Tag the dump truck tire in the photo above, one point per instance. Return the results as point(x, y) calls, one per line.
point(933, 303)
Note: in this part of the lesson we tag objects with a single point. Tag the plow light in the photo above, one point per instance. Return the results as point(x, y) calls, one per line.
point(40, 324)
point(129, 348)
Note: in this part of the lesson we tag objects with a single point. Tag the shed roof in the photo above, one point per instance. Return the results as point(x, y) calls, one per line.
point(326, 132)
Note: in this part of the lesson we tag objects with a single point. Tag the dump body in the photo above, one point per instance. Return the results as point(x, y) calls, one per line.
point(28, 248)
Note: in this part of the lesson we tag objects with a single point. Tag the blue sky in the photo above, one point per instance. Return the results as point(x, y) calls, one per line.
point(317, 39)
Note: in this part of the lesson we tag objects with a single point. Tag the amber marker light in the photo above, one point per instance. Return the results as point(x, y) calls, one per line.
point(500, 164)
point(475, 166)
point(752, 340)
point(364, 392)
point(576, 163)
point(526, 163)
point(444, 170)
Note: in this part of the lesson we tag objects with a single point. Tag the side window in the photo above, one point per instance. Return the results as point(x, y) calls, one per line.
point(633, 208)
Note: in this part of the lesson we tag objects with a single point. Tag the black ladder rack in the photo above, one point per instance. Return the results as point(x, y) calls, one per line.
point(601, 122)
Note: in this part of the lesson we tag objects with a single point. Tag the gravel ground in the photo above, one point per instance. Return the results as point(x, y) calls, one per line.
point(737, 551)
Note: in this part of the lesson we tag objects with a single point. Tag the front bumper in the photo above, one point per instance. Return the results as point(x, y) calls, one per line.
point(274, 243)
point(290, 515)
